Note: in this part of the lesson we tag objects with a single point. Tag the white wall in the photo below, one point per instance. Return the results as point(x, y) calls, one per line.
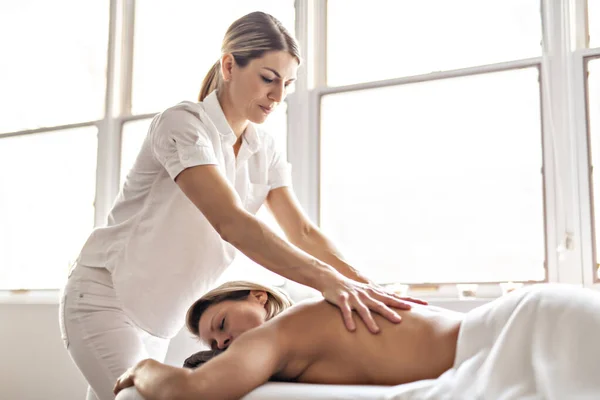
point(35, 366)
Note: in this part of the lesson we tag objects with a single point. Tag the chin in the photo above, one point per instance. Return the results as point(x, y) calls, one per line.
point(258, 118)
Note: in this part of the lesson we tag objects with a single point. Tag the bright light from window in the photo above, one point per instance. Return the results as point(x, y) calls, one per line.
point(438, 181)
point(53, 68)
point(385, 39)
point(46, 205)
point(177, 42)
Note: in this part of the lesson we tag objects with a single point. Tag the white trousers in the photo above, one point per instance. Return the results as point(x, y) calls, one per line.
point(100, 338)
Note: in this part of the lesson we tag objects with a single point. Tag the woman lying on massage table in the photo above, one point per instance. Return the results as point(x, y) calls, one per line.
point(309, 343)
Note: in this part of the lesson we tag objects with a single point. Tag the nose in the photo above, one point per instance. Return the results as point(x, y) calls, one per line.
point(277, 94)
point(223, 343)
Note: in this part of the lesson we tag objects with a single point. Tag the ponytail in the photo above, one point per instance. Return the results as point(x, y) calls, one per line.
point(211, 81)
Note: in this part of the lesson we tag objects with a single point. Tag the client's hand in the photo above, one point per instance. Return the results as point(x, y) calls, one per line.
point(350, 295)
point(126, 380)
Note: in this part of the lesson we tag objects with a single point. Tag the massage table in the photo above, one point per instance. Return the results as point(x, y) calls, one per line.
point(305, 391)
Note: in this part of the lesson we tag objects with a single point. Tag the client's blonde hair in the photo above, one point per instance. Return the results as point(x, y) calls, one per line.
point(277, 300)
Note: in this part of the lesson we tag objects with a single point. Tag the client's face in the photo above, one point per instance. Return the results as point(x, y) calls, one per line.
point(223, 322)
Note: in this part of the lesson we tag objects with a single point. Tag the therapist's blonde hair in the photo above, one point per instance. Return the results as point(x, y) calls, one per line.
point(248, 38)
point(277, 300)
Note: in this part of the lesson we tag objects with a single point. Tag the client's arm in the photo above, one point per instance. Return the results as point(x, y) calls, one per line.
point(248, 363)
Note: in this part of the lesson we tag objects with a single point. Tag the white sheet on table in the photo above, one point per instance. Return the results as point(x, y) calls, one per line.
point(305, 391)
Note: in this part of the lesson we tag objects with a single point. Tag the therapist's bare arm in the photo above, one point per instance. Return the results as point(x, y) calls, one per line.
point(213, 195)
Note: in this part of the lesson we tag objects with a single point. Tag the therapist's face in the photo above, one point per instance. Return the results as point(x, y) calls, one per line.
point(223, 322)
point(256, 89)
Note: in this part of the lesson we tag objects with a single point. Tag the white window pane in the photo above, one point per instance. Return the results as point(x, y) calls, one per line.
point(382, 39)
point(438, 181)
point(594, 119)
point(593, 7)
point(53, 69)
point(46, 205)
point(178, 41)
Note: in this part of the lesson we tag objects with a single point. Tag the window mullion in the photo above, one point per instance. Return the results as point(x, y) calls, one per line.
point(558, 96)
point(581, 154)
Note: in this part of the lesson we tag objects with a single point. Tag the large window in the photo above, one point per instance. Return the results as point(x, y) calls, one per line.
point(435, 141)
point(455, 197)
point(435, 180)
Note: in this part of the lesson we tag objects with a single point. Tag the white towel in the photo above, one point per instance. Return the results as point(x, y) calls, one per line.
point(542, 342)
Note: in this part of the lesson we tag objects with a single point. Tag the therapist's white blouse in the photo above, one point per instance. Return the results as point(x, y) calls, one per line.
point(162, 252)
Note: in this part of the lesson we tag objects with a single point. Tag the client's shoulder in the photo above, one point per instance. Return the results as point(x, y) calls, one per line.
point(308, 319)
point(309, 308)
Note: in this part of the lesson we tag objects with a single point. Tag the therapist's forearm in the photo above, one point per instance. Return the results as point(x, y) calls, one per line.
point(315, 243)
point(262, 245)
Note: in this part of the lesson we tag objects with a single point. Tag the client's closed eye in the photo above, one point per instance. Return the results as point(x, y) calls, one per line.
point(222, 326)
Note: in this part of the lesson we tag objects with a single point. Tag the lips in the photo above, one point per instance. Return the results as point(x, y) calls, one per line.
point(266, 110)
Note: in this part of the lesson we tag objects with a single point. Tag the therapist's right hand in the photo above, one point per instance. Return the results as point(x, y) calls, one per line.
point(363, 298)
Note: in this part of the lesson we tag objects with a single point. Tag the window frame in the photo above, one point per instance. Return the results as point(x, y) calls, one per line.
point(569, 248)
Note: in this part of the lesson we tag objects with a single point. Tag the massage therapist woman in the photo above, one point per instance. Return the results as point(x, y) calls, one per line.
point(188, 203)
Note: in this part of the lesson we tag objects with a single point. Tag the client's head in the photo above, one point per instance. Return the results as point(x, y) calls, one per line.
point(224, 313)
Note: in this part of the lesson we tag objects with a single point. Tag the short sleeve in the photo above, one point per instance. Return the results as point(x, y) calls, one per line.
point(179, 140)
point(280, 171)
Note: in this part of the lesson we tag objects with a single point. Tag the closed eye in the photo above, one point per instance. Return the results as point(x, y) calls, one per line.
point(267, 80)
point(222, 326)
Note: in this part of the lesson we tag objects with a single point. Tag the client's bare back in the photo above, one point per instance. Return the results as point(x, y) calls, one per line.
point(322, 350)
